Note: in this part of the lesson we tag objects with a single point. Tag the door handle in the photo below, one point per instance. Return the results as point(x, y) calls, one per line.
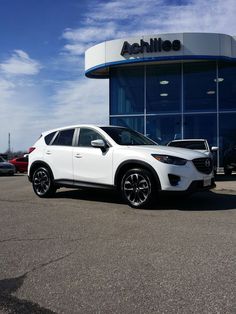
point(78, 156)
point(48, 152)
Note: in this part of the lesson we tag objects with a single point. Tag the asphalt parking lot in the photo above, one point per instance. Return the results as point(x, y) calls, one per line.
point(87, 252)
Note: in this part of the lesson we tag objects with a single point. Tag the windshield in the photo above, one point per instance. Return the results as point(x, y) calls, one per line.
point(125, 136)
point(1, 159)
point(189, 144)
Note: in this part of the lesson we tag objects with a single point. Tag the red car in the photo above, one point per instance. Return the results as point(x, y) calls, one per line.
point(21, 163)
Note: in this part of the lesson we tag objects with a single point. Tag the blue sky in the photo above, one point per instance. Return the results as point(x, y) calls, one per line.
point(42, 44)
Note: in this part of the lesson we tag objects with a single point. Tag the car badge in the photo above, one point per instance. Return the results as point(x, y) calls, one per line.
point(207, 163)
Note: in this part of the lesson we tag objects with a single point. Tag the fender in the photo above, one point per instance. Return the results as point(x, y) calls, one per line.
point(35, 164)
point(134, 163)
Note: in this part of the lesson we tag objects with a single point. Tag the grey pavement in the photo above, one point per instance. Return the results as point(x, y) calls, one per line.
point(87, 252)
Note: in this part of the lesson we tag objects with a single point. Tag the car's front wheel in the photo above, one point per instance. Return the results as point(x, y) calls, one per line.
point(43, 182)
point(137, 188)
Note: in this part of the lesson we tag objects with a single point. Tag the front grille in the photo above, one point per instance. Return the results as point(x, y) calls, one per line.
point(204, 165)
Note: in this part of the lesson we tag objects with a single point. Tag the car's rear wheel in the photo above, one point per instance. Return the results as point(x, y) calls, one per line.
point(43, 182)
point(137, 188)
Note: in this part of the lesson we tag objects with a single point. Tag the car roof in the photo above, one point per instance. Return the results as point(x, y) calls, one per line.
point(79, 126)
point(189, 139)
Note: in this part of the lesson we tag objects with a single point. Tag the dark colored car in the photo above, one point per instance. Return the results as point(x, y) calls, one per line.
point(20, 163)
point(6, 167)
point(229, 160)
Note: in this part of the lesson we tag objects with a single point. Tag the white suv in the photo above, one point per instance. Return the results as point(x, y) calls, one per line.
point(115, 157)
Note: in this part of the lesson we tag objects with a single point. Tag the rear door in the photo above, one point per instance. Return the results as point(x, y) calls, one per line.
point(58, 155)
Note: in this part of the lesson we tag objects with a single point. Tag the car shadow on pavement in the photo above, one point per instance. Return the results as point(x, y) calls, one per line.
point(222, 177)
point(92, 195)
point(202, 201)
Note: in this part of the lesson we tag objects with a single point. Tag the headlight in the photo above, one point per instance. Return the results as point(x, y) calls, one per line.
point(171, 160)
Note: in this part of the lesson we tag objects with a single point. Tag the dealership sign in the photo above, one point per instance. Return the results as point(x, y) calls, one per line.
point(154, 45)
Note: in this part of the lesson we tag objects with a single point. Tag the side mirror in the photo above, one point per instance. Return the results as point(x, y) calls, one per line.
point(99, 144)
point(214, 148)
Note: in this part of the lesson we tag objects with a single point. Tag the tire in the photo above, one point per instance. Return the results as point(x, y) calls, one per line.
point(227, 171)
point(137, 188)
point(42, 182)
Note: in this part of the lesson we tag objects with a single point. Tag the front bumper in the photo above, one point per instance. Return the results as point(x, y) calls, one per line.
point(195, 186)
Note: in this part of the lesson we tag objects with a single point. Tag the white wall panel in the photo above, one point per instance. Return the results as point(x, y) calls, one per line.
point(192, 44)
point(95, 56)
point(201, 44)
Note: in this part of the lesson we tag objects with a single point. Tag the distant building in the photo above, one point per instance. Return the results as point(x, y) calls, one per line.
point(171, 86)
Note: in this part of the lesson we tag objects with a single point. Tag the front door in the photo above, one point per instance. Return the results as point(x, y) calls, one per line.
point(92, 165)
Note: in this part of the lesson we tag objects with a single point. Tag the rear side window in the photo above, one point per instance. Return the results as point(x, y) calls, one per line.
point(64, 138)
point(49, 137)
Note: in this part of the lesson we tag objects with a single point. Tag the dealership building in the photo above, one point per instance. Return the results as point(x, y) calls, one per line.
point(171, 86)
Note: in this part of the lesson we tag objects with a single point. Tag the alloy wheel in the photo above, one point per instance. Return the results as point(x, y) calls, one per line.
point(137, 189)
point(41, 182)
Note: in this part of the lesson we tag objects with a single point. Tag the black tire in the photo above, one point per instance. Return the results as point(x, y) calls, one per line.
point(137, 187)
point(227, 171)
point(42, 182)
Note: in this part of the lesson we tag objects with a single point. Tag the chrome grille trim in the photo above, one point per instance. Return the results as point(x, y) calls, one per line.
point(204, 165)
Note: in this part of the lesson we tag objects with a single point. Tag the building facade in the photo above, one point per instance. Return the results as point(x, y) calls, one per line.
point(171, 86)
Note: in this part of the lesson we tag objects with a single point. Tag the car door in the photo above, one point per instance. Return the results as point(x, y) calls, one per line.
point(58, 155)
point(92, 165)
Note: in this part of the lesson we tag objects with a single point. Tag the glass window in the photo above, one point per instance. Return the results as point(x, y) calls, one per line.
point(163, 85)
point(64, 138)
point(227, 86)
point(199, 86)
point(163, 129)
point(201, 126)
point(124, 136)
point(88, 135)
point(227, 132)
point(49, 137)
point(135, 123)
point(201, 145)
point(127, 90)
point(22, 159)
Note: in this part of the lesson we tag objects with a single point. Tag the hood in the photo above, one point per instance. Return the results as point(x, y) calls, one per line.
point(205, 152)
point(168, 150)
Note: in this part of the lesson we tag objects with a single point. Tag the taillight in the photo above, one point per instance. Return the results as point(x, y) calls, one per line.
point(31, 149)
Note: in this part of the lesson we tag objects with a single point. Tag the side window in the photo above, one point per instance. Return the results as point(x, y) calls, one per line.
point(88, 135)
point(64, 138)
point(49, 137)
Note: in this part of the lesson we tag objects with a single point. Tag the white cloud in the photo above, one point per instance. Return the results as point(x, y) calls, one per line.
point(117, 19)
point(77, 102)
point(6, 88)
point(20, 64)
point(21, 115)
point(80, 39)
point(26, 112)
